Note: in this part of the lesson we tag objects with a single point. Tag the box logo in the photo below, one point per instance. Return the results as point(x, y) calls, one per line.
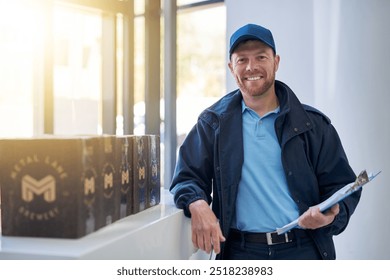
point(89, 185)
point(141, 172)
point(39, 179)
point(108, 180)
point(45, 186)
point(125, 176)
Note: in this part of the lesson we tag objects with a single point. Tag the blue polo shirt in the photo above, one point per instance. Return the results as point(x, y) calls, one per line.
point(263, 201)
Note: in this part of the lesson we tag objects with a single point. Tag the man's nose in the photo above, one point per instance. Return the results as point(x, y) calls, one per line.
point(252, 65)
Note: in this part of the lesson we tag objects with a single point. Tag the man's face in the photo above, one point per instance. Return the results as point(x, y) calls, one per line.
point(253, 65)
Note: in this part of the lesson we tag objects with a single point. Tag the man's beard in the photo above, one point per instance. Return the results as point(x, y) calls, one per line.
point(257, 91)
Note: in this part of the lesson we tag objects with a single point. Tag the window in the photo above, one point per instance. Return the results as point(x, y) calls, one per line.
point(139, 65)
point(77, 76)
point(201, 65)
point(63, 66)
point(20, 39)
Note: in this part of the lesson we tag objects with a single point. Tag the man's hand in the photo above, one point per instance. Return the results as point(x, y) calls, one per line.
point(206, 232)
point(313, 218)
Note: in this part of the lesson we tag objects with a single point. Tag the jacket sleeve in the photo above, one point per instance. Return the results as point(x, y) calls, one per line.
point(334, 172)
point(193, 176)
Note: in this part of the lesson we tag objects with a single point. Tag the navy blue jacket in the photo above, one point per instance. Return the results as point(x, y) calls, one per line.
point(211, 157)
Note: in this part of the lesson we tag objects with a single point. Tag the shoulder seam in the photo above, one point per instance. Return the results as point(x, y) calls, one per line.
point(316, 111)
point(210, 118)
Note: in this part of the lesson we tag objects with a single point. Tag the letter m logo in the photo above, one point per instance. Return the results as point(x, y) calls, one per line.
point(45, 186)
point(108, 180)
point(125, 177)
point(89, 185)
point(141, 173)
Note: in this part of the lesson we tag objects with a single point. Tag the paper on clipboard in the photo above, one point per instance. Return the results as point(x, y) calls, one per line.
point(347, 190)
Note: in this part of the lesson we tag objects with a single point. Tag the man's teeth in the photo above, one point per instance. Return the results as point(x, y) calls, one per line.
point(253, 78)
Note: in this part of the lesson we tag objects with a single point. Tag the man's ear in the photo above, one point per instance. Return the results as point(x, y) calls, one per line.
point(230, 64)
point(277, 60)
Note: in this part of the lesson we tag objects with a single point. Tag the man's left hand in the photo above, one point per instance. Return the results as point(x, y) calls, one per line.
point(313, 218)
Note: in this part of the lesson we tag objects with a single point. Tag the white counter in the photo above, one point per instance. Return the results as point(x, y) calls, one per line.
point(160, 232)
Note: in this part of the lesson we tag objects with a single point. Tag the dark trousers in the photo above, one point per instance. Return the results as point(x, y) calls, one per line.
point(302, 248)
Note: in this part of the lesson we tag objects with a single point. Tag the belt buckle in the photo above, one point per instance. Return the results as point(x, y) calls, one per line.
point(269, 238)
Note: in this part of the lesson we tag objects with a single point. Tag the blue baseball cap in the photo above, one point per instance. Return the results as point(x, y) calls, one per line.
point(251, 32)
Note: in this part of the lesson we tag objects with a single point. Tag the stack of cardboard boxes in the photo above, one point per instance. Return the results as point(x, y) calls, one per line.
point(70, 187)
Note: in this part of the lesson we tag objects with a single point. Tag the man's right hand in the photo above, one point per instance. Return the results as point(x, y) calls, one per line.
point(206, 232)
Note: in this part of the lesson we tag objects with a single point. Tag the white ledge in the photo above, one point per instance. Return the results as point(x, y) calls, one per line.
point(160, 232)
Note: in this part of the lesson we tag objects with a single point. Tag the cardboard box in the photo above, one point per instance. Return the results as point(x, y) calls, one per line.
point(153, 184)
point(140, 172)
point(70, 187)
point(109, 179)
point(124, 153)
point(49, 187)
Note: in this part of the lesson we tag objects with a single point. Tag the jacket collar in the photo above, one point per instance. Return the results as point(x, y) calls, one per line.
point(292, 117)
point(289, 104)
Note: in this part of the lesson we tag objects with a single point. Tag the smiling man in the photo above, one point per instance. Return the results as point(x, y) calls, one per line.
point(261, 159)
point(253, 65)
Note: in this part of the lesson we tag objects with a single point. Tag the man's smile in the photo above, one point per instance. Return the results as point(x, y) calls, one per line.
point(253, 78)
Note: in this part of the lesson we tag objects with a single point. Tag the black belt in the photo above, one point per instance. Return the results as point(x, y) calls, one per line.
point(269, 238)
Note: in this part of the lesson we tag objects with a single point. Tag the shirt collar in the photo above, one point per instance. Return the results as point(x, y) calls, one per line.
point(246, 108)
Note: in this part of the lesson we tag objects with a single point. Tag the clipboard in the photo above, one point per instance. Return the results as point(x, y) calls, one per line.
point(345, 191)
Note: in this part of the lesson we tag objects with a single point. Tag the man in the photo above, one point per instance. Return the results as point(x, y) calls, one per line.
point(262, 159)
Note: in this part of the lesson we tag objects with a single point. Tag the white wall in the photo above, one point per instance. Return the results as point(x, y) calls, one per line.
point(335, 56)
